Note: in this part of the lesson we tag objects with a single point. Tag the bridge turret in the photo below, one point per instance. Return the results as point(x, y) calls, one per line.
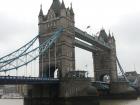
point(63, 9)
point(41, 15)
point(105, 61)
point(113, 59)
point(111, 40)
point(72, 12)
point(56, 7)
point(103, 36)
point(109, 37)
point(59, 16)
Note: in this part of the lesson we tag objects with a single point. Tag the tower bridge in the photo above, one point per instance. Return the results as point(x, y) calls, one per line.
point(58, 38)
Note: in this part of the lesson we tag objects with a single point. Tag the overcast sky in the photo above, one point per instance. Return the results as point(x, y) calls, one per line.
point(19, 24)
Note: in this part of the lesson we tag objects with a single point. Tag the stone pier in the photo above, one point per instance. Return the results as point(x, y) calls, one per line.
point(67, 92)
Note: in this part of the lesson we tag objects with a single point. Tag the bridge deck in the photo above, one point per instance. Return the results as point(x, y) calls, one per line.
point(27, 80)
point(101, 85)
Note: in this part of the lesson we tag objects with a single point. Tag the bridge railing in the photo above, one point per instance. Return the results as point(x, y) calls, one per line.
point(25, 78)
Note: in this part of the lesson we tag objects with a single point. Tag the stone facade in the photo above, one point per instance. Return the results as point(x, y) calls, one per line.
point(76, 87)
point(64, 59)
point(105, 60)
point(62, 54)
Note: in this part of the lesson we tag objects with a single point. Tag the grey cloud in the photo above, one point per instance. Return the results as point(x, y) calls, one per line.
point(127, 33)
point(11, 28)
point(128, 29)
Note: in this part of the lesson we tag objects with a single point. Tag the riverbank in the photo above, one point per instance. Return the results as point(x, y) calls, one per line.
point(11, 101)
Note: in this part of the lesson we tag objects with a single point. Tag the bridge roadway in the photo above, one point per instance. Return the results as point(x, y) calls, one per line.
point(27, 80)
point(9, 80)
point(101, 86)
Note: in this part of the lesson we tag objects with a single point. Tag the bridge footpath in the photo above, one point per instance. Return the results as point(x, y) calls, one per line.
point(10, 80)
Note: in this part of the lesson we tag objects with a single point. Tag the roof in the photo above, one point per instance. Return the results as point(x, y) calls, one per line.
point(103, 35)
point(56, 6)
point(41, 11)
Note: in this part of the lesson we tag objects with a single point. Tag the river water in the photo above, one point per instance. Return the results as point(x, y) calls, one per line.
point(120, 102)
point(102, 102)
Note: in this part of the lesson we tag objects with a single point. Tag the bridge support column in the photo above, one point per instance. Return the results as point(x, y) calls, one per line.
point(122, 90)
point(41, 95)
point(78, 92)
point(105, 64)
point(68, 92)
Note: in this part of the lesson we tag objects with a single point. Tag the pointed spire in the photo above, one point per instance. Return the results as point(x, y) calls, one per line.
point(63, 5)
point(103, 35)
point(56, 4)
point(56, 7)
point(71, 5)
point(41, 11)
point(113, 37)
point(102, 28)
point(109, 35)
point(71, 10)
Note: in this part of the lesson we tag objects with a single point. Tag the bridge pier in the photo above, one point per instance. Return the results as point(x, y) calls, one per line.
point(41, 94)
point(122, 90)
point(67, 92)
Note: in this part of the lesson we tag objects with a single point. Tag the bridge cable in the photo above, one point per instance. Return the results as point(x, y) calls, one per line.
point(34, 67)
point(42, 65)
point(17, 68)
point(26, 66)
point(42, 48)
point(9, 73)
point(133, 84)
point(31, 68)
point(49, 62)
point(26, 71)
point(9, 60)
point(5, 73)
point(121, 69)
point(31, 63)
point(55, 54)
point(16, 72)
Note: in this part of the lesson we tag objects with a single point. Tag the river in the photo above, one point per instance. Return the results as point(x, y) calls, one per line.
point(102, 102)
point(120, 102)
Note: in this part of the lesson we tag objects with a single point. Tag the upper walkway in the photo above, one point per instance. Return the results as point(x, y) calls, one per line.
point(90, 39)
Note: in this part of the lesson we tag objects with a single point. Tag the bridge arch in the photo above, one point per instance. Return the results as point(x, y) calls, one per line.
point(105, 78)
point(51, 71)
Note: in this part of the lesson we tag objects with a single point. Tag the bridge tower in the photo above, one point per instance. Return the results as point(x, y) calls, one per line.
point(61, 56)
point(105, 59)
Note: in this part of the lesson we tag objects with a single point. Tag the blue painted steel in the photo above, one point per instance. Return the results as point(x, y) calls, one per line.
point(6, 62)
point(121, 69)
point(11, 64)
point(132, 84)
point(101, 85)
point(27, 80)
point(14, 55)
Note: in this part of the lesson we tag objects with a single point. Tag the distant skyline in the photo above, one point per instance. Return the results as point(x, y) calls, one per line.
point(19, 24)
